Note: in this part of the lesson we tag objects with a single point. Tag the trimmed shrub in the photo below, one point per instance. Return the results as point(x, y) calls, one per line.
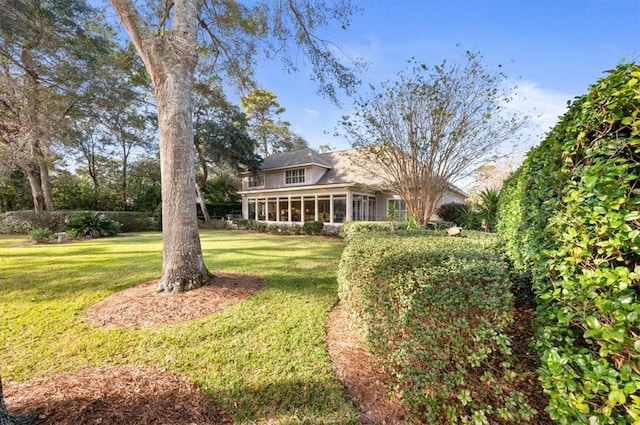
point(20, 222)
point(86, 224)
point(435, 310)
point(40, 234)
point(213, 225)
point(312, 227)
point(453, 212)
point(133, 221)
point(571, 218)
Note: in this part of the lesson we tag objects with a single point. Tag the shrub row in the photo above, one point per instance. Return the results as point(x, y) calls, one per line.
point(21, 222)
point(351, 228)
point(570, 216)
point(308, 227)
point(435, 310)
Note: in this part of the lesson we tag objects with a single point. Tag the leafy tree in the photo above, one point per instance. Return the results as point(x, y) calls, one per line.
point(430, 127)
point(166, 37)
point(14, 191)
point(144, 185)
point(272, 134)
point(221, 137)
point(46, 52)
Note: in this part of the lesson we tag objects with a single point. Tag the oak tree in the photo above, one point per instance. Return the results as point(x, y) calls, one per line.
point(170, 37)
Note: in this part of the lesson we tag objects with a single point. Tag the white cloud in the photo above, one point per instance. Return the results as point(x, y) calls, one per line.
point(543, 106)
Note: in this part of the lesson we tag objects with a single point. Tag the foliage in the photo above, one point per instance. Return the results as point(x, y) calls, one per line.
point(213, 225)
point(272, 135)
point(571, 218)
point(308, 227)
point(87, 224)
point(47, 56)
point(312, 227)
point(489, 199)
point(263, 359)
point(453, 212)
point(40, 234)
point(20, 222)
point(435, 310)
point(430, 127)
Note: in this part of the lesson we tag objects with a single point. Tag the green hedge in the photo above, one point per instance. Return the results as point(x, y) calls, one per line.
point(572, 219)
point(435, 310)
point(21, 222)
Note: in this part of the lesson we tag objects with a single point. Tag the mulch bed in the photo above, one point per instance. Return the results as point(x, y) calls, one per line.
point(142, 305)
point(134, 395)
point(365, 384)
point(114, 395)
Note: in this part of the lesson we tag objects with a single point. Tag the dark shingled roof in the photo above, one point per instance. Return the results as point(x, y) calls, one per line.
point(297, 158)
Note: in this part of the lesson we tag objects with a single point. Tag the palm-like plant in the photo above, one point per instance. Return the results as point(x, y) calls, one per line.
point(91, 225)
point(488, 207)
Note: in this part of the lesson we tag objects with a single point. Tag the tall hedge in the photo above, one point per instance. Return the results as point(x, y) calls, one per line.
point(571, 217)
point(435, 310)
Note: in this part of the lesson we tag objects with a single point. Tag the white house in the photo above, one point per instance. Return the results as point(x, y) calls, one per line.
point(304, 185)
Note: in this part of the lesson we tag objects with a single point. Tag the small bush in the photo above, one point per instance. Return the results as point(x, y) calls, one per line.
point(241, 223)
point(132, 221)
point(40, 234)
point(312, 227)
point(20, 222)
point(453, 212)
point(213, 225)
point(88, 224)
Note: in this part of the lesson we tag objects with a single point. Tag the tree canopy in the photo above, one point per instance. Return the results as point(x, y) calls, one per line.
point(430, 127)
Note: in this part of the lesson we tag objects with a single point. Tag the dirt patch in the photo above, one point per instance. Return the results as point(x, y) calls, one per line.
point(122, 395)
point(365, 384)
point(142, 306)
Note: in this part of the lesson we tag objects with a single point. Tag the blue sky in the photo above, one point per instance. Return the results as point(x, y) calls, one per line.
point(553, 49)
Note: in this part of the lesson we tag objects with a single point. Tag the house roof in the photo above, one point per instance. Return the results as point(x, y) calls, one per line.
point(341, 167)
point(297, 158)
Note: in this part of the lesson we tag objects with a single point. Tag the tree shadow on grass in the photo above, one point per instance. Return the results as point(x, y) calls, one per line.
point(314, 401)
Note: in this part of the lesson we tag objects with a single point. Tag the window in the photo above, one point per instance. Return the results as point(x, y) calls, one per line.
point(294, 176)
point(256, 180)
point(397, 210)
point(339, 209)
point(309, 209)
point(324, 209)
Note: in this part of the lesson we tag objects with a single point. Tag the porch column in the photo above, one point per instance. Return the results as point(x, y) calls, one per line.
point(349, 211)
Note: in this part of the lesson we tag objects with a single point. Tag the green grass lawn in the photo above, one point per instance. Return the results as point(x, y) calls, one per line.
point(263, 359)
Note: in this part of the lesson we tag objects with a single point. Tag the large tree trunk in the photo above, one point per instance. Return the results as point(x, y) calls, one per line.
point(7, 419)
point(183, 265)
point(170, 58)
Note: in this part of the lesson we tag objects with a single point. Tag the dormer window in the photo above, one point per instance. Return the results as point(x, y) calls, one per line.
point(256, 180)
point(294, 176)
